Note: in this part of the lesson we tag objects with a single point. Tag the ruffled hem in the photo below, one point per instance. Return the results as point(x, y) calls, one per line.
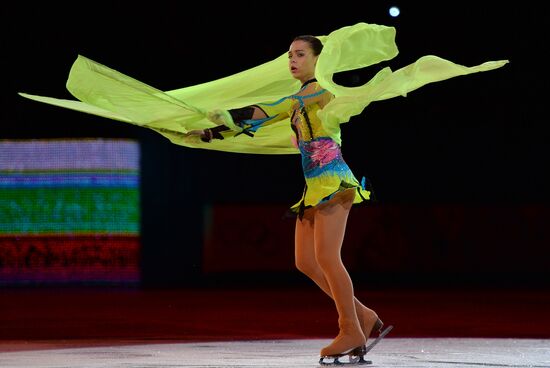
point(364, 194)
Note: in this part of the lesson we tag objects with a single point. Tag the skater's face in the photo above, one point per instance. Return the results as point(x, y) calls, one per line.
point(301, 60)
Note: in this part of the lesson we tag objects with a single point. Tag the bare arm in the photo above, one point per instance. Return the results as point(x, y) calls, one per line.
point(312, 94)
point(238, 115)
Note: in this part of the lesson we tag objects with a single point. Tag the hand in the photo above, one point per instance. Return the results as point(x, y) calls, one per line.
point(194, 132)
point(204, 134)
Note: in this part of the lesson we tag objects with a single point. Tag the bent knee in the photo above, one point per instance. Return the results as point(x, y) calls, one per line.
point(326, 260)
point(307, 266)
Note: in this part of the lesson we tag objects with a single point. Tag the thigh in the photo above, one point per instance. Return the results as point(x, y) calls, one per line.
point(303, 236)
point(330, 224)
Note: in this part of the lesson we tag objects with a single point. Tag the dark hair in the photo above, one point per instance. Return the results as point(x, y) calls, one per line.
point(313, 41)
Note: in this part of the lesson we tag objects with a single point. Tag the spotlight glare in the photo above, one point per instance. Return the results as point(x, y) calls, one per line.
point(394, 11)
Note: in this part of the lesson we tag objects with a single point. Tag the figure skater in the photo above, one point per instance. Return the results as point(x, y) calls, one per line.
point(330, 191)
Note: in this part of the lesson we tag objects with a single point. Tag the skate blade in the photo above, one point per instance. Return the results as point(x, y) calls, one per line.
point(355, 357)
point(353, 361)
point(378, 339)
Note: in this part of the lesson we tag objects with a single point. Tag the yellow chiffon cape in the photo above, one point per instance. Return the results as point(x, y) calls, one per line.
point(108, 93)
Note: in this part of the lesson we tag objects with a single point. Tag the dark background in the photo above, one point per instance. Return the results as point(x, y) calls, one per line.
point(478, 140)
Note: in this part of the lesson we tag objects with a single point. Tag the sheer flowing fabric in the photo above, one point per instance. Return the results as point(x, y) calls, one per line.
point(108, 93)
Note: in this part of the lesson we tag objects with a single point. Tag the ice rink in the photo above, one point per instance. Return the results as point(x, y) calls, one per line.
point(390, 352)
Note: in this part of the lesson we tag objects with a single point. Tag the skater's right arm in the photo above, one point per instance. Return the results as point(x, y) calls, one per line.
point(245, 120)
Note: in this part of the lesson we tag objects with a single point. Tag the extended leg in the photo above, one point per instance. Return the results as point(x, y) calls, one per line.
point(329, 229)
point(306, 262)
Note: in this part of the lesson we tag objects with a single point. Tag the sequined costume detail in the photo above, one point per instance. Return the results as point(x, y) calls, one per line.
point(325, 171)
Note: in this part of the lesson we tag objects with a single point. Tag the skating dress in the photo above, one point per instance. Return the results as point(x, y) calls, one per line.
point(325, 171)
